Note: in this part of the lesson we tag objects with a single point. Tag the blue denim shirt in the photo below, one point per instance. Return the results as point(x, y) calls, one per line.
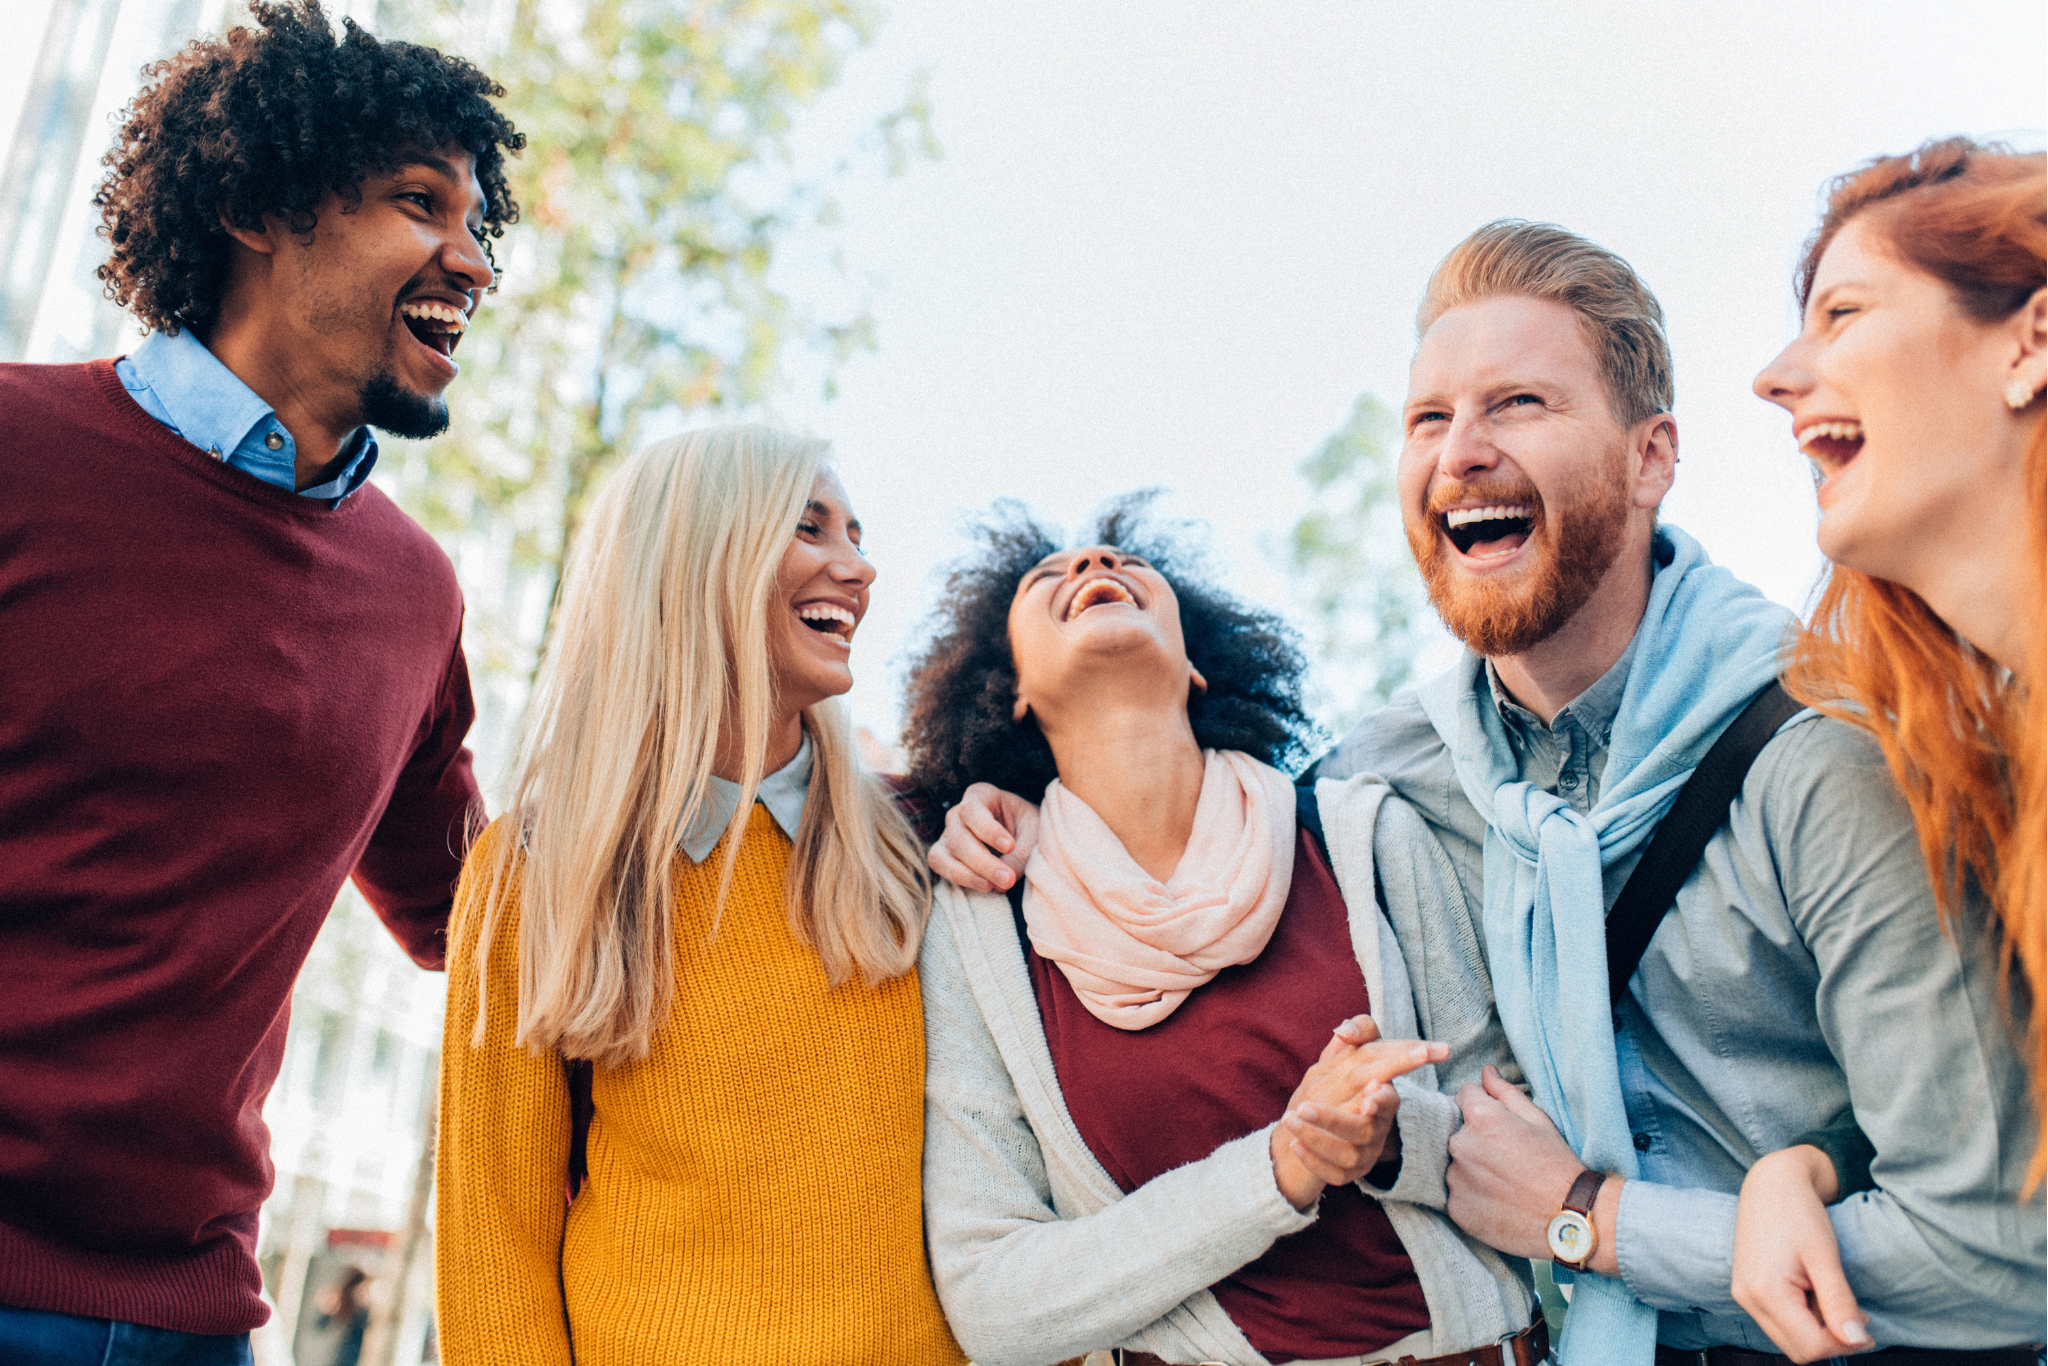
point(180, 383)
point(1801, 972)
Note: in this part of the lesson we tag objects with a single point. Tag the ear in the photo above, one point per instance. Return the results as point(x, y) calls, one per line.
point(1656, 442)
point(2027, 373)
point(1021, 710)
point(263, 243)
point(1201, 684)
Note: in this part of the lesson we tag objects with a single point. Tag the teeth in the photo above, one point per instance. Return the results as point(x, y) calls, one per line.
point(825, 611)
point(1097, 590)
point(1839, 431)
point(1500, 511)
point(429, 311)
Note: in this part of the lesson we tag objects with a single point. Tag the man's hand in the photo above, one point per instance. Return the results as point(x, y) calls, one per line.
point(1510, 1172)
point(989, 838)
point(1340, 1118)
point(1788, 1267)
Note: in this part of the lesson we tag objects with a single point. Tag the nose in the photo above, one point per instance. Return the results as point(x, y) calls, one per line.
point(462, 256)
point(849, 567)
point(1786, 379)
point(1093, 558)
point(1467, 450)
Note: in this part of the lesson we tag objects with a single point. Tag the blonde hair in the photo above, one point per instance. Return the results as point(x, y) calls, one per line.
point(1511, 256)
point(662, 645)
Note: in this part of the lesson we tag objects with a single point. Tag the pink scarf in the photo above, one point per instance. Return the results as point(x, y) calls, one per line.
point(1133, 947)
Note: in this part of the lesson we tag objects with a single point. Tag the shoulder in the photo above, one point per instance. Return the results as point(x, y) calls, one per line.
point(1396, 738)
point(411, 551)
point(491, 875)
point(1821, 767)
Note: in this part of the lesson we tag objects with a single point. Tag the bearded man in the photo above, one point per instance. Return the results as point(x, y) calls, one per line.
point(1800, 975)
point(233, 673)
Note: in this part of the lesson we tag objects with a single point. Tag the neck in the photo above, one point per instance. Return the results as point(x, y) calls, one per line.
point(1984, 591)
point(1139, 769)
point(785, 738)
point(320, 411)
point(1549, 674)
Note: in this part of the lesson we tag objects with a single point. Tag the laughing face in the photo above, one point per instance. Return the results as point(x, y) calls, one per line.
point(1897, 397)
point(1080, 616)
point(821, 594)
point(1516, 482)
point(378, 295)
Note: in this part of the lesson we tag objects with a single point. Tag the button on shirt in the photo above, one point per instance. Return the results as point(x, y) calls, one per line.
point(1802, 971)
point(181, 384)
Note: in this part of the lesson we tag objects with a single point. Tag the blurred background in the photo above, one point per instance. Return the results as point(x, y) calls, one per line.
point(1053, 252)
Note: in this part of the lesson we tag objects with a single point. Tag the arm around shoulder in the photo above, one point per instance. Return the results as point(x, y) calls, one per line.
point(503, 1154)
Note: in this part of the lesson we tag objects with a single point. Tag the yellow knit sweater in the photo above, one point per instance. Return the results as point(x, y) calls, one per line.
point(754, 1191)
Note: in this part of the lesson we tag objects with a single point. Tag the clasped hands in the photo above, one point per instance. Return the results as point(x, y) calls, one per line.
point(1339, 1123)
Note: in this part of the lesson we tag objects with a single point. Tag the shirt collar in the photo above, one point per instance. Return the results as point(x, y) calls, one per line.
point(208, 405)
point(1594, 709)
point(782, 792)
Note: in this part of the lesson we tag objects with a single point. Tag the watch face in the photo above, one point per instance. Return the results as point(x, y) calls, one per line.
point(1571, 1237)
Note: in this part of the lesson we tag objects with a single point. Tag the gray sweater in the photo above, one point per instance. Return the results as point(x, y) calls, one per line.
point(1039, 1256)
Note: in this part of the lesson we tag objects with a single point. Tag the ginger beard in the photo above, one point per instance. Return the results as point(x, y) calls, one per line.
point(1576, 540)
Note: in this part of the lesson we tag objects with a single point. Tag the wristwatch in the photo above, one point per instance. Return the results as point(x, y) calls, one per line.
point(1571, 1234)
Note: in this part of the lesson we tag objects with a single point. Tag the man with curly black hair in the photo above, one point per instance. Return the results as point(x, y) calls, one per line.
point(233, 675)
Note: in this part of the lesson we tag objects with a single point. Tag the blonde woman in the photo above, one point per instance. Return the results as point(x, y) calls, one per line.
point(700, 892)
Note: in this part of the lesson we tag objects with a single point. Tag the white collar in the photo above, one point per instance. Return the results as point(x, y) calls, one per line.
point(782, 792)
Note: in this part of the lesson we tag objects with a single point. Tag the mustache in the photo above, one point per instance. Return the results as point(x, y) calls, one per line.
point(1448, 494)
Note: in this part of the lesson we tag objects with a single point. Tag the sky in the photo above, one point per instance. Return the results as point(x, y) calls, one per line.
point(1170, 243)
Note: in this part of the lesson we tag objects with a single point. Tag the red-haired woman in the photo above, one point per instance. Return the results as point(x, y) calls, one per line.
point(1915, 386)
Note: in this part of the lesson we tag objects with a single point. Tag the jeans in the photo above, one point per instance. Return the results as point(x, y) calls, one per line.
point(33, 1337)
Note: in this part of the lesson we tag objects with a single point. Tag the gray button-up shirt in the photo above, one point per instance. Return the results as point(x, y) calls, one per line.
point(1802, 971)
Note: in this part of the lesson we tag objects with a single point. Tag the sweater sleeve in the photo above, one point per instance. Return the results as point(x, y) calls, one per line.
point(500, 1205)
point(408, 872)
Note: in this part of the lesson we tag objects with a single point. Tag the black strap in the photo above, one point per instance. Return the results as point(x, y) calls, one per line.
point(1701, 809)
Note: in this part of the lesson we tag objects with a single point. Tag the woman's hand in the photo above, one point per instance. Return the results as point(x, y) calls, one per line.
point(1788, 1268)
point(1340, 1118)
point(989, 838)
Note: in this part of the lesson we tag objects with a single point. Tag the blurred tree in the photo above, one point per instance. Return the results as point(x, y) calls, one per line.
point(638, 289)
point(1368, 617)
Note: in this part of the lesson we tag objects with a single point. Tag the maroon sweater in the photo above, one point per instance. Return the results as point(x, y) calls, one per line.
point(1225, 1063)
point(217, 701)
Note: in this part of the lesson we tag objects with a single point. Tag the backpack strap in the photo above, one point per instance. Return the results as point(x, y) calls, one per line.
point(1309, 816)
point(1701, 809)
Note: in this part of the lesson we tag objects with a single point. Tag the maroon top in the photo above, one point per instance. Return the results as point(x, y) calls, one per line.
point(1221, 1066)
point(217, 701)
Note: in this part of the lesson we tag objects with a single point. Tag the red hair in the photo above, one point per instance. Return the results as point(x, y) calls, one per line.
point(1964, 739)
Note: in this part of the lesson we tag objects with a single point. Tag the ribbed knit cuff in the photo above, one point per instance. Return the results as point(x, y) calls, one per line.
point(1848, 1148)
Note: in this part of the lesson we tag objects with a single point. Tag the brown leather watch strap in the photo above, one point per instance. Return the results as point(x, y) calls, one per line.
point(1584, 1191)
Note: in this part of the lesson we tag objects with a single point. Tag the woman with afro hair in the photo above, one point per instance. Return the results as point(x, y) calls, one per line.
point(1161, 1111)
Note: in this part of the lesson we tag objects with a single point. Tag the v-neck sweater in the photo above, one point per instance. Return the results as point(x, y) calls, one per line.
point(218, 701)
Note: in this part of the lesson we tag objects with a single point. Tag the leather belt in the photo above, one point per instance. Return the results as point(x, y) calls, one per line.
point(1887, 1356)
point(1530, 1347)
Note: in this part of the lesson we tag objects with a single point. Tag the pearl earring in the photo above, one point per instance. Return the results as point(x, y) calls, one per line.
point(2020, 393)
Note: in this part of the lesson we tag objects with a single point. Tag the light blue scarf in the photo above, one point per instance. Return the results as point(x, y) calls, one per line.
point(1707, 644)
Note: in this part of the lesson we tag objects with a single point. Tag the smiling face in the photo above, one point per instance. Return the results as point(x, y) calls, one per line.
point(1519, 488)
point(821, 594)
point(1897, 397)
point(1081, 616)
point(376, 298)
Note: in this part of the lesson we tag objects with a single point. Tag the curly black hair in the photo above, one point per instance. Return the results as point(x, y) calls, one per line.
point(268, 121)
point(963, 687)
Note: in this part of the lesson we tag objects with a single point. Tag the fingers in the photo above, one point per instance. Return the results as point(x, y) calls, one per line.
point(1836, 1303)
point(1359, 1029)
point(963, 857)
point(1333, 1160)
point(1511, 1098)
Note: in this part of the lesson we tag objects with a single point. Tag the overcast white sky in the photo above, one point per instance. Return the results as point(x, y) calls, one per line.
point(1169, 241)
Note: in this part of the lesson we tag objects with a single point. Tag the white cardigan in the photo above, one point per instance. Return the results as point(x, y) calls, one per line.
point(1037, 1254)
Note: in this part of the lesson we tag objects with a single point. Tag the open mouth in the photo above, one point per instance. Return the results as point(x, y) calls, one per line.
point(436, 326)
point(1499, 529)
point(1097, 592)
point(1831, 445)
point(828, 619)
